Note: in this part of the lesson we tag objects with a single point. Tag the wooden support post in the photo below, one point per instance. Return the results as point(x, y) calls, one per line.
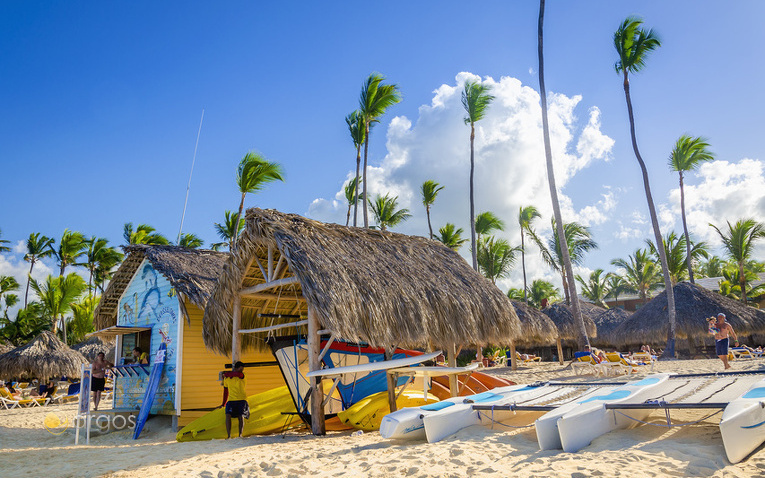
point(236, 342)
point(513, 357)
point(560, 351)
point(317, 394)
point(392, 379)
point(453, 380)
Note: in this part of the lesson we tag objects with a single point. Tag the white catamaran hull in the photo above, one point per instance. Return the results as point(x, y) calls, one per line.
point(590, 419)
point(743, 423)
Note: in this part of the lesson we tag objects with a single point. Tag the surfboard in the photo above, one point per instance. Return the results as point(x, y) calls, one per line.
point(151, 389)
point(270, 412)
point(373, 366)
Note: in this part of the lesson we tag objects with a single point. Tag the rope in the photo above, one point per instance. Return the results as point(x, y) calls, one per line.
point(669, 424)
point(493, 421)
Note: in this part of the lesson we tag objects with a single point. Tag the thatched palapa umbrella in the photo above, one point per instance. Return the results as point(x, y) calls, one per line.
point(693, 304)
point(379, 287)
point(93, 346)
point(563, 318)
point(5, 347)
point(43, 357)
point(536, 329)
point(607, 322)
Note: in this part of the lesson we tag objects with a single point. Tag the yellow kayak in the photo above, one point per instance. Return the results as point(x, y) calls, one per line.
point(367, 413)
point(266, 416)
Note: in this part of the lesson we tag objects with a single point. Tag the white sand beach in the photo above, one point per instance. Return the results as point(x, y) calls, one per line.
point(28, 449)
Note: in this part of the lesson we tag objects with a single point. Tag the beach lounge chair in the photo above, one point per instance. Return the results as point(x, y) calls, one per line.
point(72, 394)
point(527, 360)
point(618, 365)
point(741, 352)
point(644, 358)
point(10, 402)
point(585, 364)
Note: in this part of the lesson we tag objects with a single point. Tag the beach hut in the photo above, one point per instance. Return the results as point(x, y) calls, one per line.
point(158, 296)
point(43, 357)
point(536, 329)
point(606, 323)
point(563, 318)
point(377, 287)
point(92, 346)
point(693, 304)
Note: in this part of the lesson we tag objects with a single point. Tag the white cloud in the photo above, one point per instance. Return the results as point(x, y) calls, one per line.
point(727, 191)
point(20, 247)
point(510, 169)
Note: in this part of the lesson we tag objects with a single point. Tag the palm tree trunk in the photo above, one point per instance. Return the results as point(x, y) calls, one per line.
point(523, 266)
point(474, 247)
point(348, 216)
point(685, 230)
point(551, 180)
point(364, 179)
point(236, 223)
point(29, 278)
point(430, 228)
point(742, 281)
point(356, 192)
point(669, 350)
point(565, 286)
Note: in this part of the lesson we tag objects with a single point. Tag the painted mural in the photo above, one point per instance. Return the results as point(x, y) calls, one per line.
point(150, 301)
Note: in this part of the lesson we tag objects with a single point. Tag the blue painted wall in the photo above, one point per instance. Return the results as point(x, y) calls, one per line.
point(150, 301)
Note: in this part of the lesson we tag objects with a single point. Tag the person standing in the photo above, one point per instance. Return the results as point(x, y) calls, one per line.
point(722, 330)
point(98, 377)
point(235, 397)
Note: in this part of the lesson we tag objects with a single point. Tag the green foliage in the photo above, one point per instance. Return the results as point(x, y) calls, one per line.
point(739, 241)
point(675, 251)
point(429, 192)
point(540, 290)
point(451, 236)
point(386, 213)
point(143, 234)
point(516, 294)
point(29, 323)
point(81, 322)
point(252, 175)
point(496, 258)
point(3, 247)
point(57, 294)
point(487, 222)
point(351, 196)
point(355, 122)
point(595, 288)
point(641, 274)
point(476, 99)
point(71, 247)
point(190, 241)
point(228, 230)
point(633, 44)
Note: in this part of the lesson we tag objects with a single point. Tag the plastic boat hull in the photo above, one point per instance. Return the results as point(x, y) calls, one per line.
point(743, 423)
point(367, 413)
point(586, 419)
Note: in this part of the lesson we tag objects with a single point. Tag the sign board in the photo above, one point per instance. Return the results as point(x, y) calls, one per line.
point(83, 406)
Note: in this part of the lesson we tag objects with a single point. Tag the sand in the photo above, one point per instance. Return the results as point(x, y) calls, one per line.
point(28, 449)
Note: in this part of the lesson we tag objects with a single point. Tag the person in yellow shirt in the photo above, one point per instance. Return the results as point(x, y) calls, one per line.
point(235, 397)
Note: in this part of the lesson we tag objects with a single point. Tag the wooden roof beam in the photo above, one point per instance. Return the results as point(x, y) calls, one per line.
point(268, 285)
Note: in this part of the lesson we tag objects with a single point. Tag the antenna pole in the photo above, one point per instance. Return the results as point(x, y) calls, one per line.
point(188, 187)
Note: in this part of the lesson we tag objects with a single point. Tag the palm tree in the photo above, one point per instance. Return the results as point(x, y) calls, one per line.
point(10, 301)
point(376, 97)
point(29, 322)
point(71, 247)
point(190, 241)
point(486, 223)
point(476, 100)
point(228, 230)
point(541, 290)
point(525, 216)
point(57, 294)
point(253, 173)
point(641, 274)
point(578, 241)
point(675, 251)
point(516, 294)
point(95, 247)
point(712, 267)
point(351, 195)
point(739, 241)
point(616, 287)
point(356, 128)
point(429, 190)
point(633, 44)
point(4, 248)
point(106, 260)
point(595, 288)
point(385, 212)
point(38, 247)
point(143, 234)
point(451, 236)
point(8, 284)
point(571, 289)
point(81, 322)
point(496, 258)
point(687, 155)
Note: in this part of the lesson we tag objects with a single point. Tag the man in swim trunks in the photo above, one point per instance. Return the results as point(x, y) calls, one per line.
point(723, 329)
point(98, 378)
point(235, 397)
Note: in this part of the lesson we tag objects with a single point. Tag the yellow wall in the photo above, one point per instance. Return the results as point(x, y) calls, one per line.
point(199, 383)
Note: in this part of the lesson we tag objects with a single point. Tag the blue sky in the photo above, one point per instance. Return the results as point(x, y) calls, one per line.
point(101, 105)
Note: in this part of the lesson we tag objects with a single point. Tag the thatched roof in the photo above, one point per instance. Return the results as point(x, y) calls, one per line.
point(563, 318)
point(95, 345)
point(43, 357)
point(192, 272)
point(606, 322)
point(365, 285)
point(536, 327)
point(693, 304)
